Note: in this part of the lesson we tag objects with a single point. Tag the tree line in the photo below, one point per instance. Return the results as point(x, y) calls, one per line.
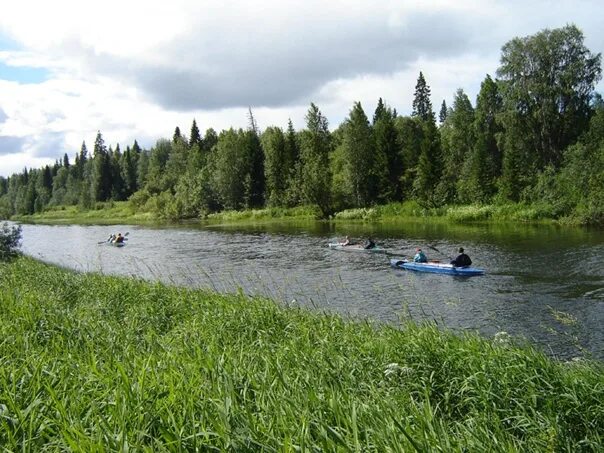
point(535, 134)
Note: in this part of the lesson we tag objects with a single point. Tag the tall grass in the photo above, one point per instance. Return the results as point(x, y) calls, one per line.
point(96, 363)
point(131, 212)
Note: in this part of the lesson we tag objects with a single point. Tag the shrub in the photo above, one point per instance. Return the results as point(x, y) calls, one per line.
point(10, 237)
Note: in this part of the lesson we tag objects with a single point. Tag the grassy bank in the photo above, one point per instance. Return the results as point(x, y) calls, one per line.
point(124, 212)
point(95, 363)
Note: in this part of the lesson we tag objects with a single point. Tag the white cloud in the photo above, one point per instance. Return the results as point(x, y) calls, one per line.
point(137, 69)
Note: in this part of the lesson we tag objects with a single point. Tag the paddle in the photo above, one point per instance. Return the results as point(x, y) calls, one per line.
point(435, 249)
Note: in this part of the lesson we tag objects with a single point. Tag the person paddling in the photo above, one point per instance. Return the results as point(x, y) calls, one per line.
point(119, 238)
point(420, 257)
point(462, 260)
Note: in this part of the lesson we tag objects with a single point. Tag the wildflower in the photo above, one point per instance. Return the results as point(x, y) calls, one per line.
point(502, 338)
point(393, 369)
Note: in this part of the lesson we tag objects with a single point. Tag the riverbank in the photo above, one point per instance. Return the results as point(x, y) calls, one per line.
point(94, 362)
point(125, 213)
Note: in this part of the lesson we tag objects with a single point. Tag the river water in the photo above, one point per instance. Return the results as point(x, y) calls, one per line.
point(543, 284)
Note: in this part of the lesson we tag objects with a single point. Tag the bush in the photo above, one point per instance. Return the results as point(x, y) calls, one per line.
point(10, 237)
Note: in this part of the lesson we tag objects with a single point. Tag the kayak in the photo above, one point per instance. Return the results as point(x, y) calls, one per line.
point(115, 244)
point(355, 248)
point(436, 268)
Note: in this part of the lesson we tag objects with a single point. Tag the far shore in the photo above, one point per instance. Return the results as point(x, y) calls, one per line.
point(112, 213)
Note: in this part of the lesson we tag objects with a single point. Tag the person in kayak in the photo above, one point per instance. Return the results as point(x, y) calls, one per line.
point(462, 260)
point(420, 257)
point(369, 244)
point(119, 238)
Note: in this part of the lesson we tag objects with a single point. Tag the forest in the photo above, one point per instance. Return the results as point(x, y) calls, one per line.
point(534, 135)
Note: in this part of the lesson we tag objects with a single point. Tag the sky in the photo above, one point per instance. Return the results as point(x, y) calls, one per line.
point(135, 70)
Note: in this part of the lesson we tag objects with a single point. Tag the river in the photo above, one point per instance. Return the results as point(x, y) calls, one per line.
point(543, 284)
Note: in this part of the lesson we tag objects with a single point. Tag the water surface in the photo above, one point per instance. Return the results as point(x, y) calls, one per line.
point(544, 284)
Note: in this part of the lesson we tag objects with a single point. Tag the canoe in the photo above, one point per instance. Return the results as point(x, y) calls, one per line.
point(355, 248)
point(116, 244)
point(436, 268)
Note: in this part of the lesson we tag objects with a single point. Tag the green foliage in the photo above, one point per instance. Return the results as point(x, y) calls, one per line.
point(361, 163)
point(422, 105)
point(387, 154)
point(458, 140)
point(230, 168)
point(10, 238)
point(277, 165)
point(314, 158)
point(547, 82)
point(101, 363)
point(527, 142)
point(482, 167)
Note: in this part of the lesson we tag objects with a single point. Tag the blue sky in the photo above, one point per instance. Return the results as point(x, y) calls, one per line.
point(23, 74)
point(135, 70)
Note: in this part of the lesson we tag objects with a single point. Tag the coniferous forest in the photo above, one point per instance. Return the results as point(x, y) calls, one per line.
point(534, 135)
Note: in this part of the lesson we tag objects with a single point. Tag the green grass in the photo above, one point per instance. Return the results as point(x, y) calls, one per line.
point(104, 214)
point(298, 213)
point(97, 363)
point(126, 212)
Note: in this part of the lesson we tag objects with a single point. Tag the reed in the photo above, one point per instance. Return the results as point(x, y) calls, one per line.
point(97, 363)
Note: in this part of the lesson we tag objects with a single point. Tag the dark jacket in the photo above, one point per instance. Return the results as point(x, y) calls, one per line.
point(462, 260)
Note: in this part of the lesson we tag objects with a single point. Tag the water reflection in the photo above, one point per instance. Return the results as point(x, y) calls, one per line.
point(536, 275)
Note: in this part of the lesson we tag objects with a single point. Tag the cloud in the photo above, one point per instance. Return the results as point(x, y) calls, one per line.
point(282, 64)
point(137, 69)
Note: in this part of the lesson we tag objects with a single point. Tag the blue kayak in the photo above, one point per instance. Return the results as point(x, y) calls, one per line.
point(436, 268)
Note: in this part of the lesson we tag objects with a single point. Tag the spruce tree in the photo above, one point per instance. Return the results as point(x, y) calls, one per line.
point(387, 149)
point(255, 156)
point(428, 169)
point(457, 135)
point(195, 136)
point(483, 167)
point(422, 105)
point(442, 116)
point(101, 177)
point(177, 135)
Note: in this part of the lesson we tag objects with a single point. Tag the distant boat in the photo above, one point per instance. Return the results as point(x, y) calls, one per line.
point(355, 248)
point(116, 244)
point(436, 268)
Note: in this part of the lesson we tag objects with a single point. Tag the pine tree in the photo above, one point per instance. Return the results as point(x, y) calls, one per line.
point(429, 165)
point(195, 137)
point(457, 135)
point(81, 161)
point(483, 167)
point(255, 155)
point(387, 149)
point(101, 177)
point(422, 106)
point(294, 166)
point(442, 116)
point(177, 135)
